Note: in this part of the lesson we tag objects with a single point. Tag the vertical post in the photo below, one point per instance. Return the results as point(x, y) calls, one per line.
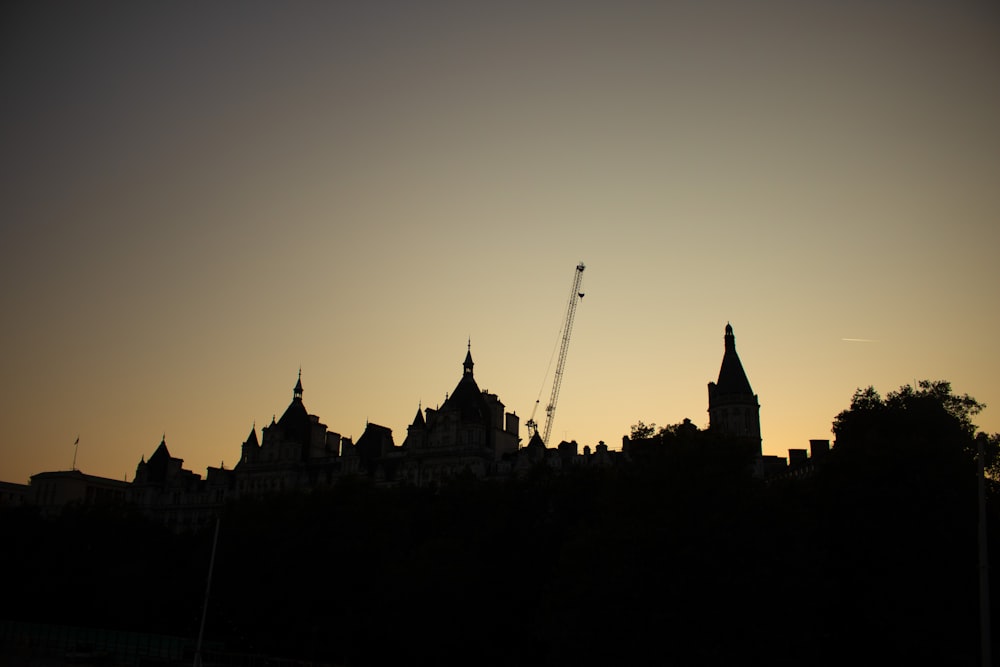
point(985, 643)
point(208, 586)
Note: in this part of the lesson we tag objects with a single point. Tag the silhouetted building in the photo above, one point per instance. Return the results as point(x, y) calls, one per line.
point(163, 471)
point(295, 452)
point(733, 409)
point(377, 454)
point(800, 464)
point(178, 497)
point(51, 492)
point(470, 433)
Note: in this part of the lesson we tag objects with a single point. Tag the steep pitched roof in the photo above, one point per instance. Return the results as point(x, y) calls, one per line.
point(535, 450)
point(732, 377)
point(161, 451)
point(159, 462)
point(467, 399)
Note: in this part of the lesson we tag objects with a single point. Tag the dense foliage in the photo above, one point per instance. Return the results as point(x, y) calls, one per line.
point(681, 557)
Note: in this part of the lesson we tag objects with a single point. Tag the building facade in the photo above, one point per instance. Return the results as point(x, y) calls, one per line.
point(165, 490)
point(52, 491)
point(296, 451)
point(470, 432)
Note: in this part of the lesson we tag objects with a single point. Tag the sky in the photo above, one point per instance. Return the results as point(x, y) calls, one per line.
point(197, 200)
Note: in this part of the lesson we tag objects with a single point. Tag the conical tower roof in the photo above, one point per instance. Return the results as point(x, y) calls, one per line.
point(732, 377)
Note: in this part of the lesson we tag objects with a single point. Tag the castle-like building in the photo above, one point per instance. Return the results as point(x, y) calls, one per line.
point(295, 451)
point(471, 433)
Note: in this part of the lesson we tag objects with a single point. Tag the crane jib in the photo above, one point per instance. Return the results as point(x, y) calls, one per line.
point(575, 295)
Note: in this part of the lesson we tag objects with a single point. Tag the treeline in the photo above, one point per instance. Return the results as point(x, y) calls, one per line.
point(681, 558)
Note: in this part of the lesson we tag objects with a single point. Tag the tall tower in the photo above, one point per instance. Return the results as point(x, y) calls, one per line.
point(733, 409)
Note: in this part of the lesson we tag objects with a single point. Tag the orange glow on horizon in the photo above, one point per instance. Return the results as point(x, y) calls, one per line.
point(196, 206)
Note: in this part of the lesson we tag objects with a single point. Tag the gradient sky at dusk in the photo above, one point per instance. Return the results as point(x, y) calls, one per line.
point(197, 199)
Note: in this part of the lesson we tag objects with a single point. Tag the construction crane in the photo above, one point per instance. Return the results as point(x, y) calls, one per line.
point(575, 296)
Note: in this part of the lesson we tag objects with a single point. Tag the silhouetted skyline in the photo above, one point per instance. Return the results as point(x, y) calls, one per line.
point(675, 550)
point(198, 200)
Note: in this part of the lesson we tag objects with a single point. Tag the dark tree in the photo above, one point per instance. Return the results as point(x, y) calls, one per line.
point(642, 431)
point(898, 502)
point(910, 430)
point(687, 455)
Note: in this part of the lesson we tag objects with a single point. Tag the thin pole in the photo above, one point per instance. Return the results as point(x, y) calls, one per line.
point(76, 446)
point(985, 643)
point(208, 586)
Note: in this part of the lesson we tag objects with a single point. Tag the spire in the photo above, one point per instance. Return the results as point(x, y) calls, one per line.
point(467, 364)
point(730, 338)
point(294, 422)
point(467, 399)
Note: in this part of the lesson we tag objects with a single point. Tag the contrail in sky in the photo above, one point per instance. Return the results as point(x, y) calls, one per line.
point(860, 340)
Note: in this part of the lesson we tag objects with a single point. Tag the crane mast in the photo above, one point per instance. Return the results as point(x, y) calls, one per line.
point(575, 295)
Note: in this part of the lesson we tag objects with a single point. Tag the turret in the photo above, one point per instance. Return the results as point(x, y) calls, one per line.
point(733, 408)
point(467, 364)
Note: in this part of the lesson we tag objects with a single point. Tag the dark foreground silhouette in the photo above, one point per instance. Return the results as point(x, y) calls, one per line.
point(681, 558)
